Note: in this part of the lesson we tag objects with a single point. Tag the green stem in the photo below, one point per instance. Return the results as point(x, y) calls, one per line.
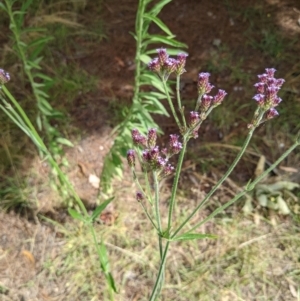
point(230, 169)
point(171, 104)
point(176, 180)
point(180, 108)
point(156, 202)
point(103, 264)
point(248, 188)
point(159, 280)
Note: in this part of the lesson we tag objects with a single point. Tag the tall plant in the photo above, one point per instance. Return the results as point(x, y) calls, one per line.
point(29, 44)
point(154, 161)
point(10, 106)
point(144, 103)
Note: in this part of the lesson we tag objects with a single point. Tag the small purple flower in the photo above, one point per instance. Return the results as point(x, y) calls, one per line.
point(204, 87)
point(152, 136)
point(154, 153)
point(131, 157)
point(162, 55)
point(267, 89)
point(161, 162)
point(195, 134)
point(175, 145)
point(206, 102)
point(180, 63)
point(139, 196)
point(146, 155)
point(168, 169)
point(260, 88)
point(194, 118)
point(137, 138)
point(4, 77)
point(270, 72)
point(271, 113)
point(260, 99)
point(219, 97)
point(169, 66)
point(154, 65)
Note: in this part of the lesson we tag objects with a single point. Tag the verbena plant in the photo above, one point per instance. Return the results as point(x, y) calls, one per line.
point(144, 103)
point(10, 106)
point(28, 44)
point(154, 161)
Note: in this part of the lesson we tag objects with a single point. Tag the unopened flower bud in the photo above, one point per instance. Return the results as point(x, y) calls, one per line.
point(154, 65)
point(175, 145)
point(162, 55)
point(206, 102)
point(138, 138)
point(152, 136)
point(4, 77)
point(139, 196)
point(219, 97)
point(169, 66)
point(168, 169)
point(194, 118)
point(271, 113)
point(180, 63)
point(204, 87)
point(131, 157)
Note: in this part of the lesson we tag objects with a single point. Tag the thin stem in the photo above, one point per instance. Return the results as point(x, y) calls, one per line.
point(156, 202)
point(180, 108)
point(171, 104)
point(158, 284)
point(248, 188)
point(41, 146)
point(103, 263)
point(228, 172)
point(148, 215)
point(176, 180)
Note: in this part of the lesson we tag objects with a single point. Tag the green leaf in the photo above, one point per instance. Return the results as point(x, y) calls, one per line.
point(154, 39)
point(2, 6)
point(100, 208)
point(158, 7)
point(159, 23)
point(145, 58)
point(76, 215)
point(111, 282)
point(192, 236)
point(64, 141)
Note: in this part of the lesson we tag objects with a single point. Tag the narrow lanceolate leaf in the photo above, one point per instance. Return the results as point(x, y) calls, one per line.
point(64, 141)
point(154, 39)
point(145, 58)
point(158, 7)
point(2, 6)
point(100, 208)
point(76, 215)
point(159, 23)
point(192, 236)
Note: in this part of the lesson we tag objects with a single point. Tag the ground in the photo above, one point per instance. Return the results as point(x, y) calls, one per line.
point(46, 256)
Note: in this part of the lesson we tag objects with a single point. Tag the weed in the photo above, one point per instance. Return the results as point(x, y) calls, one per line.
point(144, 103)
point(154, 161)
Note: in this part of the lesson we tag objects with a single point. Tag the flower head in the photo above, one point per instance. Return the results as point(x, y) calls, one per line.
point(204, 86)
point(4, 77)
point(267, 89)
point(131, 157)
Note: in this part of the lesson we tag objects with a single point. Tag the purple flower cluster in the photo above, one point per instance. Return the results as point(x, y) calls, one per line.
point(267, 89)
point(164, 65)
point(4, 77)
point(205, 87)
point(152, 157)
point(204, 102)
